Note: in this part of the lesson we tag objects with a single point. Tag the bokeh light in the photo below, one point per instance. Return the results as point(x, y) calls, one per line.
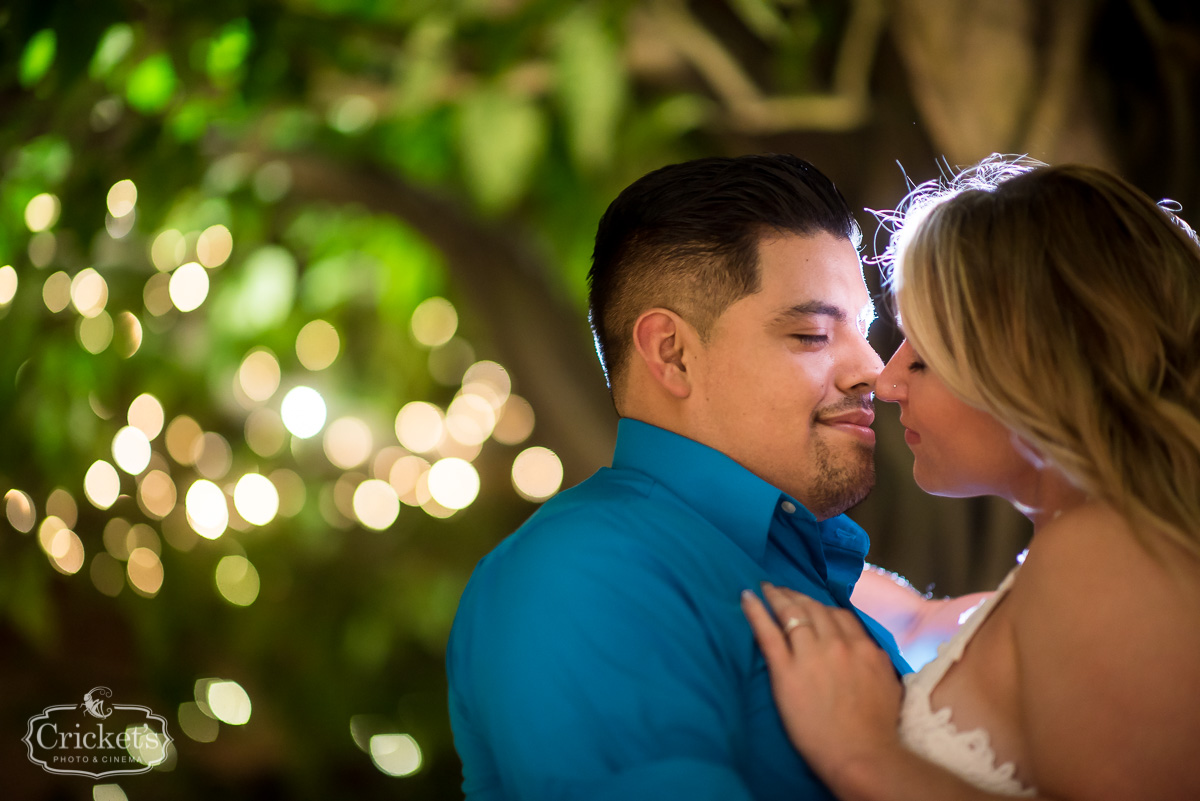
point(95, 333)
point(352, 113)
point(303, 412)
point(146, 415)
point(157, 494)
point(182, 435)
point(515, 423)
point(213, 455)
point(272, 181)
point(256, 499)
point(453, 483)
point(395, 754)
point(107, 574)
point(168, 250)
point(122, 197)
point(259, 375)
point(403, 477)
point(264, 432)
point(102, 484)
point(207, 509)
point(56, 291)
point(89, 292)
point(214, 246)
point(470, 419)
point(8, 284)
point(229, 702)
point(386, 457)
point(128, 333)
point(50, 526)
point(426, 501)
point(118, 227)
point(108, 792)
point(347, 442)
point(197, 725)
point(237, 580)
point(317, 345)
point(41, 212)
point(146, 749)
point(420, 426)
point(62, 505)
point(189, 286)
point(449, 363)
point(131, 450)
point(144, 571)
point(65, 550)
point(434, 322)
point(43, 247)
point(292, 493)
point(157, 294)
point(537, 473)
point(141, 535)
point(488, 380)
point(20, 510)
point(116, 532)
point(375, 504)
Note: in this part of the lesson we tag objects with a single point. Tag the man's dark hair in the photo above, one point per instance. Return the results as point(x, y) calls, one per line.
point(685, 237)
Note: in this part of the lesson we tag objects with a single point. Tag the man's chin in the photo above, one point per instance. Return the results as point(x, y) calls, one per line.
point(839, 487)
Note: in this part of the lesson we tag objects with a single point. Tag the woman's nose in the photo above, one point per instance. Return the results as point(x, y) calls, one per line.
point(890, 385)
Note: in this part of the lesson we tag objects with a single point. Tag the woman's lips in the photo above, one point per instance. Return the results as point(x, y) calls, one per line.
point(911, 437)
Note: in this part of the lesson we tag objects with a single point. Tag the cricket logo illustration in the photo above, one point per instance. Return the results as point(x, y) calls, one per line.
point(95, 706)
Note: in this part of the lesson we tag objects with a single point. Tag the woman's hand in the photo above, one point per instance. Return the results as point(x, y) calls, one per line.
point(835, 688)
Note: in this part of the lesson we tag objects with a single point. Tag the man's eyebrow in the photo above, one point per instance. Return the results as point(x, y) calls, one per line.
point(812, 308)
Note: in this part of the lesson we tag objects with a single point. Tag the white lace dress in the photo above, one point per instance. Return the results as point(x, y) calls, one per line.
point(931, 734)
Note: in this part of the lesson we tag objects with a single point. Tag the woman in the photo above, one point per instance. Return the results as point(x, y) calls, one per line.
point(1052, 317)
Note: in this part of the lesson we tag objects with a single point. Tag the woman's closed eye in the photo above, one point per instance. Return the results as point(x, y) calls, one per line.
point(916, 366)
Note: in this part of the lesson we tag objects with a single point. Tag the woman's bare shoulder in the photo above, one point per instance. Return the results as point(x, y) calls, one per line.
point(1104, 630)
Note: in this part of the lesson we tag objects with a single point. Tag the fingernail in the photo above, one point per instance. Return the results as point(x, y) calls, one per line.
point(747, 595)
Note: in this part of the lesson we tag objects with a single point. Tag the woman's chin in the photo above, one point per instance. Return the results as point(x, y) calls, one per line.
point(939, 485)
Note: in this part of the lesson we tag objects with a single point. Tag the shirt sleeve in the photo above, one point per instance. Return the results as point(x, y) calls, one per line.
point(590, 674)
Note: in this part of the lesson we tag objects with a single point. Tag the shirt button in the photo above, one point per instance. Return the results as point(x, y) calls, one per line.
point(788, 507)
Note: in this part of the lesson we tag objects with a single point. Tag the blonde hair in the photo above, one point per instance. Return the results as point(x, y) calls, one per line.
point(1066, 303)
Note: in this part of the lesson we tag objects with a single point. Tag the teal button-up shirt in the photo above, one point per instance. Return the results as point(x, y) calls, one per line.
point(600, 652)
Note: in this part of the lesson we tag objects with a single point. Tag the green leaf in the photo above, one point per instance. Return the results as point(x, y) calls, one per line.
point(501, 137)
point(45, 159)
point(38, 56)
point(189, 122)
point(152, 84)
point(113, 47)
point(262, 294)
point(591, 86)
point(227, 52)
point(339, 279)
point(427, 64)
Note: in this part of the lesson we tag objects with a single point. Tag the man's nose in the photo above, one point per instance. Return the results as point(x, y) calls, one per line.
point(863, 368)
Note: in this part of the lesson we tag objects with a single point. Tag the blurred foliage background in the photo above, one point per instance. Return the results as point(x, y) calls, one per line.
point(292, 321)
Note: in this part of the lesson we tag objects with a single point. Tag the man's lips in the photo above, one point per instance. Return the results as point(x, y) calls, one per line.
point(856, 423)
point(857, 417)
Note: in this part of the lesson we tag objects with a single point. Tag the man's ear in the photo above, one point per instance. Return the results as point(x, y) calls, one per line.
point(664, 341)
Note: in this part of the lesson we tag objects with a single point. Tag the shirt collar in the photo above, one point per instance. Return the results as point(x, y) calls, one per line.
point(734, 500)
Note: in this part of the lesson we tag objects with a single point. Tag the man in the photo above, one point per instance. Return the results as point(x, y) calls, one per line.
point(600, 652)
